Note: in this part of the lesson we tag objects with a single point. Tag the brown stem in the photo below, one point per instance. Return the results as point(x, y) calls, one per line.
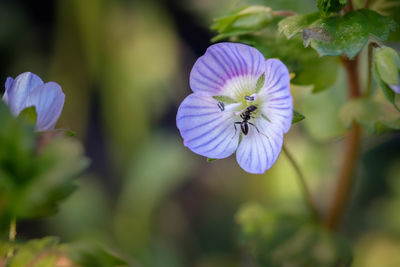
point(367, 3)
point(351, 153)
point(349, 7)
point(284, 13)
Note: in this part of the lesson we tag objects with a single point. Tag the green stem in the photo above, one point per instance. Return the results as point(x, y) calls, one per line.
point(303, 184)
point(13, 229)
point(371, 47)
point(11, 236)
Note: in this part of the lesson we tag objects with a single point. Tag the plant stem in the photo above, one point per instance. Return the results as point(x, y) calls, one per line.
point(351, 153)
point(304, 187)
point(366, 4)
point(11, 236)
point(13, 229)
point(283, 13)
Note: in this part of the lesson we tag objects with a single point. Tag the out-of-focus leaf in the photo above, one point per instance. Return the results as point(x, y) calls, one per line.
point(48, 252)
point(297, 116)
point(338, 35)
point(37, 252)
point(330, 6)
point(34, 179)
point(309, 67)
point(244, 20)
point(88, 255)
point(388, 65)
point(211, 160)
point(371, 114)
point(28, 114)
point(279, 239)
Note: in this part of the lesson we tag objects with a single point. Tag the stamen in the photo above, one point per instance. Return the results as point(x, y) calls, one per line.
point(221, 105)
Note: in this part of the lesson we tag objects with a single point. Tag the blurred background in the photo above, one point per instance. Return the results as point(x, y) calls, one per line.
point(124, 67)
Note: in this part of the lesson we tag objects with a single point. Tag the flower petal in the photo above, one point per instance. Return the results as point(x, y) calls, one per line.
point(259, 149)
point(19, 89)
point(206, 129)
point(221, 63)
point(395, 88)
point(49, 101)
point(278, 102)
point(8, 85)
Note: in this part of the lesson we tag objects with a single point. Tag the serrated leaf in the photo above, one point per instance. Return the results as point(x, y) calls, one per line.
point(297, 116)
point(338, 35)
point(28, 114)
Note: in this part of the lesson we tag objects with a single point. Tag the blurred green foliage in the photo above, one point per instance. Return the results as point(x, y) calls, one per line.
point(27, 166)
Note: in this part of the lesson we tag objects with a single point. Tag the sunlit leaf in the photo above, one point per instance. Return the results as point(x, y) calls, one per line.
point(338, 35)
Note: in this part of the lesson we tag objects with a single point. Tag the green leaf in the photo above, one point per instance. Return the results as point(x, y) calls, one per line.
point(330, 6)
point(297, 116)
point(211, 160)
point(28, 114)
point(34, 177)
point(88, 255)
point(338, 35)
point(388, 64)
point(244, 20)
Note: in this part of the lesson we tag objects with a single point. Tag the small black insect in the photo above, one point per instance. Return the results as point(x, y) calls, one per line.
point(246, 116)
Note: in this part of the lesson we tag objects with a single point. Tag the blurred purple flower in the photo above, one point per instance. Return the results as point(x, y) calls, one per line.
point(27, 90)
point(396, 88)
point(232, 81)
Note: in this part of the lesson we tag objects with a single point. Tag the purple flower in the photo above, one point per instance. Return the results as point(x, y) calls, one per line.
point(240, 102)
point(396, 88)
point(29, 90)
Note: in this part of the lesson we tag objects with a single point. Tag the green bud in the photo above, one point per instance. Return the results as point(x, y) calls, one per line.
point(387, 63)
point(242, 21)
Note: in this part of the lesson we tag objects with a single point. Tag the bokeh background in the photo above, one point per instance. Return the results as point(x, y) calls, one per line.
point(124, 67)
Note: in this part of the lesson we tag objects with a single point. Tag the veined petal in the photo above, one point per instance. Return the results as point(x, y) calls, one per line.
point(260, 148)
point(19, 89)
point(223, 62)
point(276, 97)
point(48, 100)
point(206, 129)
